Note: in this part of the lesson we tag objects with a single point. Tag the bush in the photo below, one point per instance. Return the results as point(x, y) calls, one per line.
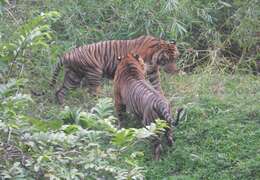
point(81, 144)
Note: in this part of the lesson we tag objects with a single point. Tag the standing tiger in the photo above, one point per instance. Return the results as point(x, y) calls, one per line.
point(94, 61)
point(133, 93)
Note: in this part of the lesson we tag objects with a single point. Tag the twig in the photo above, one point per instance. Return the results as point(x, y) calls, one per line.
point(11, 14)
point(199, 60)
point(9, 134)
point(21, 71)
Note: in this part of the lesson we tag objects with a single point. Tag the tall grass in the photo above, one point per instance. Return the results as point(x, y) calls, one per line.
point(205, 30)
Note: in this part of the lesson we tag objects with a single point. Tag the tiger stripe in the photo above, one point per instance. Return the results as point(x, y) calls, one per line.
point(133, 93)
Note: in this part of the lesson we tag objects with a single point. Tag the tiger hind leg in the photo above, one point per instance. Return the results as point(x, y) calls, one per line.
point(169, 135)
point(148, 118)
point(157, 149)
point(120, 109)
point(94, 83)
point(71, 81)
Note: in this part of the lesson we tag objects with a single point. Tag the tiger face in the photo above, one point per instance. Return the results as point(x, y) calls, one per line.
point(168, 55)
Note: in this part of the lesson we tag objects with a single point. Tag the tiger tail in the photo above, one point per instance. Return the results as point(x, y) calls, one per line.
point(58, 66)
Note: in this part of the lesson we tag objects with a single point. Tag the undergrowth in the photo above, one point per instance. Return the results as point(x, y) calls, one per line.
point(77, 145)
point(218, 136)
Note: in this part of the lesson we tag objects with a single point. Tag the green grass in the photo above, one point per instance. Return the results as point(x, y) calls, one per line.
point(218, 138)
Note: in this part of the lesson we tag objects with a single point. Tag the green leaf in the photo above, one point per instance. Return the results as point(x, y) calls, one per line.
point(70, 129)
point(225, 3)
point(144, 133)
point(42, 125)
point(123, 137)
point(103, 109)
point(87, 122)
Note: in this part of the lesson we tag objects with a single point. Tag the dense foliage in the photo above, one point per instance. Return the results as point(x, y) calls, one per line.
point(80, 144)
point(220, 33)
point(218, 137)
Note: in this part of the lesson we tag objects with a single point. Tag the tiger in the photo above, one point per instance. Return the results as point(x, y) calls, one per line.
point(94, 61)
point(134, 94)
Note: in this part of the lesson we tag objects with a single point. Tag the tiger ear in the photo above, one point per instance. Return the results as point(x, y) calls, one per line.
point(136, 56)
point(172, 42)
point(161, 36)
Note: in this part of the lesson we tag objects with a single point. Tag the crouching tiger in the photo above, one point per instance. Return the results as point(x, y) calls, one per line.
point(94, 61)
point(133, 93)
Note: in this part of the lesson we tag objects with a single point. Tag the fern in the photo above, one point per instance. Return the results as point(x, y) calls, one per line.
point(103, 109)
point(70, 116)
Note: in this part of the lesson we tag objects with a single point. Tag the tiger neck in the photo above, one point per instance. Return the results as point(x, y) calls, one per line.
point(147, 47)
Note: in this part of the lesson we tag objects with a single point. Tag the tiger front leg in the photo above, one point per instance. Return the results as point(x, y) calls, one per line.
point(169, 135)
point(120, 111)
point(153, 75)
point(94, 83)
point(157, 148)
point(60, 94)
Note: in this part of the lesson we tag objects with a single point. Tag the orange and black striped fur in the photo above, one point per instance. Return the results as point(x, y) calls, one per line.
point(94, 61)
point(133, 93)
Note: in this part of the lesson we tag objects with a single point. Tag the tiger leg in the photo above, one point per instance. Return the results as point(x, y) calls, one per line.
point(147, 117)
point(169, 135)
point(71, 80)
point(157, 148)
point(153, 75)
point(84, 82)
point(169, 130)
point(94, 81)
point(120, 110)
point(156, 142)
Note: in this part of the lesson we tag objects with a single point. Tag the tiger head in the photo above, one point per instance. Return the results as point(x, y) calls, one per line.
point(132, 56)
point(139, 59)
point(167, 55)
